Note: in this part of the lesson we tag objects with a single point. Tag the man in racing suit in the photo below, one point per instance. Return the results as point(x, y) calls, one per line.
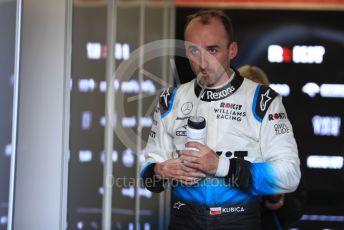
point(249, 150)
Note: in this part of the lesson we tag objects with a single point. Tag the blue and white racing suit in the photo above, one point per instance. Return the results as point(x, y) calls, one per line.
point(247, 125)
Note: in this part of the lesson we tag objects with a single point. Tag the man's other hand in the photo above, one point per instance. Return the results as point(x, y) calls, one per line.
point(175, 169)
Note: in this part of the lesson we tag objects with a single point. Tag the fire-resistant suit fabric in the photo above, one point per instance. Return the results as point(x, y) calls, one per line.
point(247, 125)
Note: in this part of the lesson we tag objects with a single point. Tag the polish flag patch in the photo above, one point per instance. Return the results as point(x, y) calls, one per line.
point(215, 211)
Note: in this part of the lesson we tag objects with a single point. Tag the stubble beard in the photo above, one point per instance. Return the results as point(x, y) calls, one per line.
point(203, 81)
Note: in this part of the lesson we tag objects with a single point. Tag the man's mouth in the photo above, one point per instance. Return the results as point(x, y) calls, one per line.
point(203, 73)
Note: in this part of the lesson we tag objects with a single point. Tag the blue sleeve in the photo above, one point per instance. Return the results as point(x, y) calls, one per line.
point(264, 179)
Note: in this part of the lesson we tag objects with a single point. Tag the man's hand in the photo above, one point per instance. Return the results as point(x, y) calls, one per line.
point(205, 159)
point(174, 169)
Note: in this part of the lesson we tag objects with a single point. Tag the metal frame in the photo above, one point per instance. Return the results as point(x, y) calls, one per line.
point(14, 112)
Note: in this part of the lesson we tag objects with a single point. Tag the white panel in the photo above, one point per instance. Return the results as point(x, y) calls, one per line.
point(40, 180)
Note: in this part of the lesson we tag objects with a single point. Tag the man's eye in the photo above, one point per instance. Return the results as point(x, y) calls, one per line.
point(212, 51)
point(194, 51)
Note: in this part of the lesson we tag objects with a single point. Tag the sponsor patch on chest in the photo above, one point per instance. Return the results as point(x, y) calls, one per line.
point(230, 111)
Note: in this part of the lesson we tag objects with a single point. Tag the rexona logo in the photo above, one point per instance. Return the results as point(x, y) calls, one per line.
point(297, 54)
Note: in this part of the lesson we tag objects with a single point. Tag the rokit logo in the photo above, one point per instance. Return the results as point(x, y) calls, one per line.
point(297, 54)
point(277, 116)
point(281, 129)
point(230, 106)
point(229, 111)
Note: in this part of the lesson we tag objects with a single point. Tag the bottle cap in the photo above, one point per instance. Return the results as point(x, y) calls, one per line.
point(196, 122)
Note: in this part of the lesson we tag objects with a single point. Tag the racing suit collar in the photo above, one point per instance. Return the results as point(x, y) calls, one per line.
point(211, 94)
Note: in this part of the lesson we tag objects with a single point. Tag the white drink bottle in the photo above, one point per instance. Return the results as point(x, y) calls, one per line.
point(196, 129)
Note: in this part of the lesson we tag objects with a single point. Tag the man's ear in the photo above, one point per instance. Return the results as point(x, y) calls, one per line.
point(233, 50)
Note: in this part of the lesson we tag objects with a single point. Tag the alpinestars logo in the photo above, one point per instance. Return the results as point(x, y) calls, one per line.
point(165, 95)
point(178, 204)
point(265, 99)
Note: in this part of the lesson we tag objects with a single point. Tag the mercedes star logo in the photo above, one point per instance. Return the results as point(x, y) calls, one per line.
point(187, 108)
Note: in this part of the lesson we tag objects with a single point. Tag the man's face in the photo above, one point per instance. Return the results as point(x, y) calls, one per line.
point(208, 51)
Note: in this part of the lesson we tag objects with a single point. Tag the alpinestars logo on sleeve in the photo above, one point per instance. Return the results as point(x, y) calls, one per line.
point(265, 99)
point(165, 95)
point(178, 204)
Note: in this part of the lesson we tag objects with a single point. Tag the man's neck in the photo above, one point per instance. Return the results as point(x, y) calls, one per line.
point(229, 77)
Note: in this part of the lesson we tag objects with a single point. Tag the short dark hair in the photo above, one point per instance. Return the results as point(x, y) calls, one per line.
point(206, 15)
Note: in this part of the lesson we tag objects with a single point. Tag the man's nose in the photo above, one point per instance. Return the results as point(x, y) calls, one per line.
point(204, 60)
